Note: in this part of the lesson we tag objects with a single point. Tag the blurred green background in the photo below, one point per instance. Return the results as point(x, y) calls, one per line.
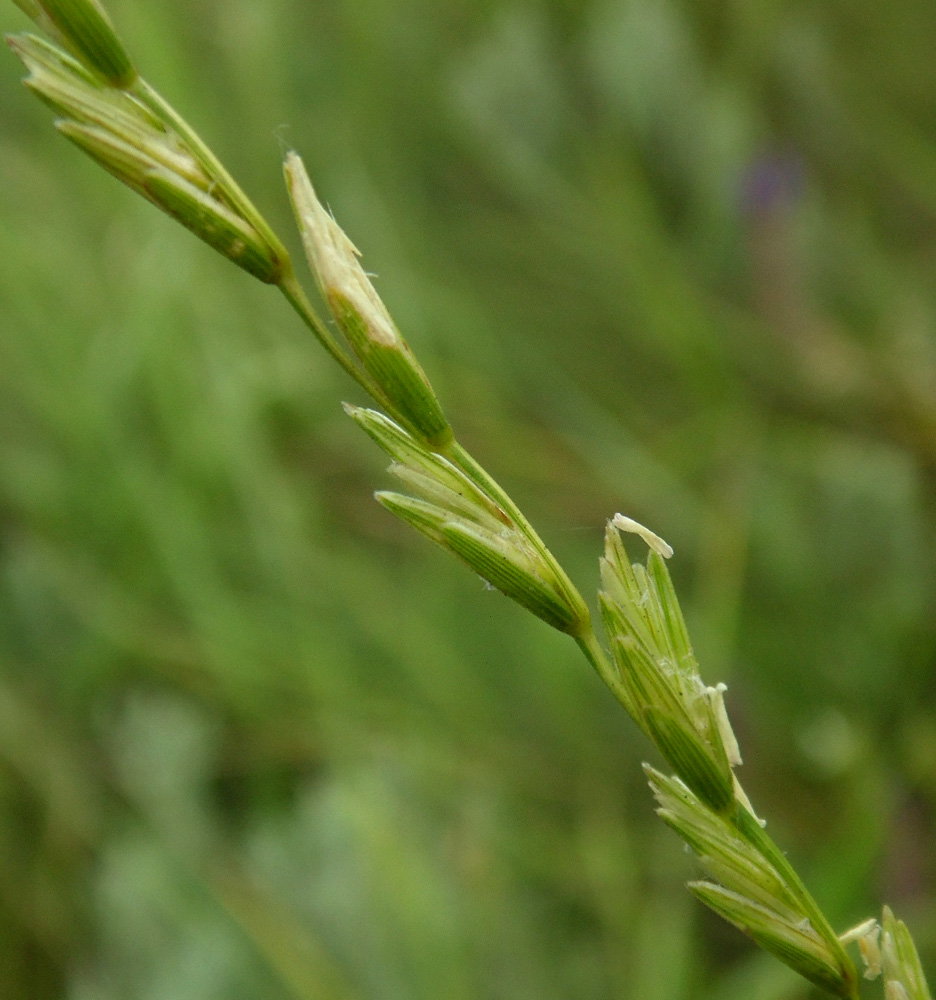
point(673, 258)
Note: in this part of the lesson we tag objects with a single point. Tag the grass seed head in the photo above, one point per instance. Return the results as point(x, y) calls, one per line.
point(361, 314)
point(85, 29)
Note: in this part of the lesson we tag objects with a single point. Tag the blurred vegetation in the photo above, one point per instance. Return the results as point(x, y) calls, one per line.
point(671, 258)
